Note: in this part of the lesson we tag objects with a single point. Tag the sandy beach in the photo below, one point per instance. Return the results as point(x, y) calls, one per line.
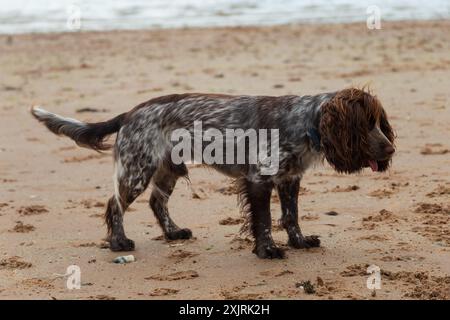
point(53, 193)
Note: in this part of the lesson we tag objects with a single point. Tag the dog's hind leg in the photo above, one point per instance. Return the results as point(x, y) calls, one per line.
point(164, 182)
point(256, 200)
point(130, 180)
point(288, 193)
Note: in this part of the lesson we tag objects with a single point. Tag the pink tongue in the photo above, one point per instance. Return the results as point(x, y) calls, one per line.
point(373, 165)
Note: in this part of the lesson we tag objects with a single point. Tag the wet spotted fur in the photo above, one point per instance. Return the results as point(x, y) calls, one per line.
point(143, 147)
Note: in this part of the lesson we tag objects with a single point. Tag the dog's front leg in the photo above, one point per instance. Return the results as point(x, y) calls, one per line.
point(258, 197)
point(288, 193)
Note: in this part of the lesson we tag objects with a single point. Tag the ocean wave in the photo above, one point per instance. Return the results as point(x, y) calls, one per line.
point(21, 16)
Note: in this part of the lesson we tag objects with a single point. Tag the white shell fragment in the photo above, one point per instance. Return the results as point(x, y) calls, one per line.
point(124, 259)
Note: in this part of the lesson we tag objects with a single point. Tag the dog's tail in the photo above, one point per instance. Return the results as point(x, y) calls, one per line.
point(90, 135)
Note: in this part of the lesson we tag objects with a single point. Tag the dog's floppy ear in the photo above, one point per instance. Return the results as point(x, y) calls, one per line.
point(344, 128)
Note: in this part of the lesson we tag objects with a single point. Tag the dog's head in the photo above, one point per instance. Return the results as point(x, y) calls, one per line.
point(355, 132)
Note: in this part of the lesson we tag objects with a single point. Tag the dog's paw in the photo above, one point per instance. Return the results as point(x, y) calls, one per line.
point(121, 244)
point(179, 234)
point(269, 252)
point(300, 242)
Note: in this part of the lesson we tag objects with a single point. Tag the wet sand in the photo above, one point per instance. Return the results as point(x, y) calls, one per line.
point(53, 193)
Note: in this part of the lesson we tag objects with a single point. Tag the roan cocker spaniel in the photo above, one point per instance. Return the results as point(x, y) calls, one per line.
point(349, 128)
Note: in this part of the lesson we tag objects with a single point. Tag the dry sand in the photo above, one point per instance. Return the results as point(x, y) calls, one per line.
point(53, 193)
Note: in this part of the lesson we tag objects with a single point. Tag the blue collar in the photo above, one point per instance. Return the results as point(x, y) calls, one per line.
point(314, 137)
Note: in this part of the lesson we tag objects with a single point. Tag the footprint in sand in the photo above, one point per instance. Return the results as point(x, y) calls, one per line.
point(40, 283)
point(20, 227)
point(355, 270)
point(97, 215)
point(180, 275)
point(433, 149)
point(424, 285)
point(275, 273)
point(241, 243)
point(441, 190)
point(432, 208)
point(32, 210)
point(101, 297)
point(87, 245)
point(434, 222)
point(14, 263)
point(3, 205)
point(231, 295)
point(309, 217)
point(158, 292)
point(373, 237)
point(381, 193)
point(383, 216)
point(180, 255)
point(231, 221)
point(89, 203)
point(346, 189)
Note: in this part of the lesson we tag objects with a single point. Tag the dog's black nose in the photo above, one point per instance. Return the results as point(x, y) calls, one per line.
point(389, 150)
